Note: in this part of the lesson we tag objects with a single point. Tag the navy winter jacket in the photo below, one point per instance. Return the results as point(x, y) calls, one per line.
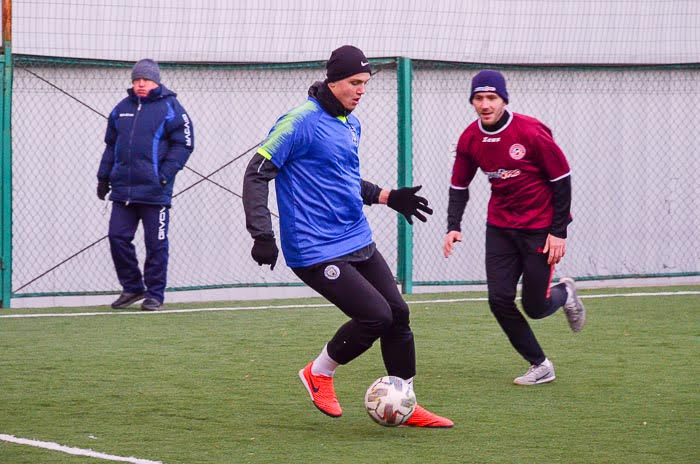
point(148, 141)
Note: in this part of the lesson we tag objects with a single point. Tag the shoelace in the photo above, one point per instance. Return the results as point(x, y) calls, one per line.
point(534, 367)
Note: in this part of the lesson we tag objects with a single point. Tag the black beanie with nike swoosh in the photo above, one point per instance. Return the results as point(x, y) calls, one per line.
point(346, 61)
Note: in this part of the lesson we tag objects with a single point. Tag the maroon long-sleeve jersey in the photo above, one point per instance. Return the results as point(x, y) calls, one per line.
point(520, 160)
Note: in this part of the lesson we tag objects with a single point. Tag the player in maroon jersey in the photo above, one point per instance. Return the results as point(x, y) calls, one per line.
point(528, 214)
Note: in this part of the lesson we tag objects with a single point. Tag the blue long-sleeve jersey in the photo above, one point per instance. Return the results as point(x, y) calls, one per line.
point(318, 185)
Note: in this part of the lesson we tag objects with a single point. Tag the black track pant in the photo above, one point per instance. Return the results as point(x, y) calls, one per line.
point(510, 254)
point(366, 292)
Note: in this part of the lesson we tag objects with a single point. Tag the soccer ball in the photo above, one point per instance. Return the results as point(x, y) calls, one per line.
point(390, 401)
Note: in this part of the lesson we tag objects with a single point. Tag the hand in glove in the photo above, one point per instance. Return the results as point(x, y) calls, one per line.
point(406, 202)
point(102, 189)
point(265, 251)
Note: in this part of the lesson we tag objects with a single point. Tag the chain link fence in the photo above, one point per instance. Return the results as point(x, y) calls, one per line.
point(59, 120)
point(628, 133)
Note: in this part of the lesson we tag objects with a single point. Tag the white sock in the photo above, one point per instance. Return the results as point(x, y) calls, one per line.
point(410, 383)
point(324, 364)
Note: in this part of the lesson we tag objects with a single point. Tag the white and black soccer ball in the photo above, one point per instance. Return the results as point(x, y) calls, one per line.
point(390, 401)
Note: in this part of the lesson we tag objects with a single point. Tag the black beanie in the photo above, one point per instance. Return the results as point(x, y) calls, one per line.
point(346, 61)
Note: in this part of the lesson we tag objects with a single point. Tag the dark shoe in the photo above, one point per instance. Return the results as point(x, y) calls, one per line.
point(126, 299)
point(151, 304)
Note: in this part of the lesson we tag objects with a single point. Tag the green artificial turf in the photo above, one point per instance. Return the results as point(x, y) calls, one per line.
point(222, 387)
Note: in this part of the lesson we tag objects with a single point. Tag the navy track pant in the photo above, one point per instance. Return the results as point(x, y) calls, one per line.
point(366, 292)
point(510, 254)
point(122, 227)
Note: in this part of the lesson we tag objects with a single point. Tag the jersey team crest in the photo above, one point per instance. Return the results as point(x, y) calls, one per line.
point(517, 151)
point(331, 272)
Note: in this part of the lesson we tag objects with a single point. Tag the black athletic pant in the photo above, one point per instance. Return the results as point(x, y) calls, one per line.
point(512, 253)
point(366, 292)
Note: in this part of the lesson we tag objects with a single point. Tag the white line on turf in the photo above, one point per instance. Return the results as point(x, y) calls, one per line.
point(320, 305)
point(76, 451)
point(165, 311)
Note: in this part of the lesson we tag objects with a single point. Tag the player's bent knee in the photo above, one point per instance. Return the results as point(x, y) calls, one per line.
point(535, 309)
point(378, 324)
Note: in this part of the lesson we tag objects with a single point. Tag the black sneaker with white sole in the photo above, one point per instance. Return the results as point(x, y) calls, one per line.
point(151, 304)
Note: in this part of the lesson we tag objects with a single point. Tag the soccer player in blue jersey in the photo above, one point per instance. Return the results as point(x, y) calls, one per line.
point(312, 154)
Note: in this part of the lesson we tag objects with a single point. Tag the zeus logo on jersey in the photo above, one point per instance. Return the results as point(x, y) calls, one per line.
point(126, 115)
point(491, 139)
point(502, 173)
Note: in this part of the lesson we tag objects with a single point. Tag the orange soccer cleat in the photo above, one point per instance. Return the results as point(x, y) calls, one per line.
point(320, 388)
point(421, 417)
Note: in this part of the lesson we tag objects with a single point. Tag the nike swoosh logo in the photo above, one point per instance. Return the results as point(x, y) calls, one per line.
point(313, 387)
point(364, 63)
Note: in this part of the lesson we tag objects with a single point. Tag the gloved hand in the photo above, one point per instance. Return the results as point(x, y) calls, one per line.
point(406, 202)
point(265, 251)
point(102, 189)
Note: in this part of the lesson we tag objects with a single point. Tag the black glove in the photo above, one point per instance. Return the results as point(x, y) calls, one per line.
point(102, 189)
point(406, 202)
point(265, 251)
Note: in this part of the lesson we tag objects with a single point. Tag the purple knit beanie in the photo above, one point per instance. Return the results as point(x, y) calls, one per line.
point(489, 81)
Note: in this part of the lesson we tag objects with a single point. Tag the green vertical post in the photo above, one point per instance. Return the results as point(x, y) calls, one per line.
point(6, 159)
point(6, 179)
point(405, 170)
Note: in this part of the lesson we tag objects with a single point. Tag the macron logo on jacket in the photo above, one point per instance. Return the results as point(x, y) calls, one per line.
point(188, 132)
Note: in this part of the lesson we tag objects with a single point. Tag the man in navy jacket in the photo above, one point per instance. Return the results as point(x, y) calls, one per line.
point(149, 139)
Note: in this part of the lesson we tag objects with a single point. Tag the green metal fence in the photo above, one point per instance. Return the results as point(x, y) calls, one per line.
point(629, 134)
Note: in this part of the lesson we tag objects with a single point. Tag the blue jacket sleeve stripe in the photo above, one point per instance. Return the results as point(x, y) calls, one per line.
point(154, 148)
point(159, 135)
